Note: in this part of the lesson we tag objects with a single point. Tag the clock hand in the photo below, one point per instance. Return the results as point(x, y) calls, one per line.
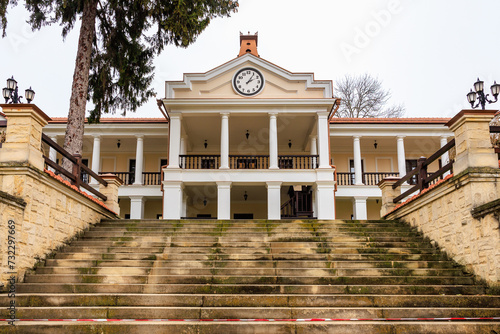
point(251, 78)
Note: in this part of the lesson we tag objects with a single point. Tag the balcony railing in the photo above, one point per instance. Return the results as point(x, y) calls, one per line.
point(199, 161)
point(369, 179)
point(248, 161)
point(148, 178)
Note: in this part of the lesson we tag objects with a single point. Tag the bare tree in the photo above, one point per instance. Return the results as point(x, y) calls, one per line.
point(363, 96)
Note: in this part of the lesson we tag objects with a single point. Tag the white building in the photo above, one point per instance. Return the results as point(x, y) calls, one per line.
point(250, 139)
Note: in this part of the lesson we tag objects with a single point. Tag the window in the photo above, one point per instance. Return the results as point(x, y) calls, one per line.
point(84, 176)
point(131, 169)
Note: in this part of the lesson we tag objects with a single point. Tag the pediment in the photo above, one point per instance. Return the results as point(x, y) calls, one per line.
point(279, 83)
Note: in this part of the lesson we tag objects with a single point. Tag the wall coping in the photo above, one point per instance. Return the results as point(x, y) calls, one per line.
point(470, 112)
point(25, 106)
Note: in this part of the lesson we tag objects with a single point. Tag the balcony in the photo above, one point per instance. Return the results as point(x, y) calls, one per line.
point(248, 161)
point(369, 179)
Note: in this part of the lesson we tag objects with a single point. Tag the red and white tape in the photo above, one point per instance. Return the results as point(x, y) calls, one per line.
point(268, 320)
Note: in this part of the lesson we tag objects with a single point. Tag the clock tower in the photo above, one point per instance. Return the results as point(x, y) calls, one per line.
point(248, 44)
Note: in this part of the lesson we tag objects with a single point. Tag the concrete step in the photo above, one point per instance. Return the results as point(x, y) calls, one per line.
point(256, 327)
point(157, 312)
point(248, 264)
point(247, 279)
point(244, 257)
point(181, 288)
point(252, 300)
point(317, 272)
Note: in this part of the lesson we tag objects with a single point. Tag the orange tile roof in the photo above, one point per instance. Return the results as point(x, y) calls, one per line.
point(414, 197)
point(418, 120)
point(63, 120)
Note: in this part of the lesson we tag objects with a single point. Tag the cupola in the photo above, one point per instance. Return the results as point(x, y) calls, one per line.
point(248, 44)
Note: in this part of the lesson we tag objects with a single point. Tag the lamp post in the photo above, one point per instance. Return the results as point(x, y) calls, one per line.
point(11, 92)
point(479, 94)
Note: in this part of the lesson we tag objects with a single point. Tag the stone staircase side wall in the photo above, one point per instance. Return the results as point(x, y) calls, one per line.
point(444, 216)
point(39, 211)
point(444, 211)
point(53, 214)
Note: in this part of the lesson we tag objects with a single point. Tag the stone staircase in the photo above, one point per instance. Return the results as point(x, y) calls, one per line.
point(281, 270)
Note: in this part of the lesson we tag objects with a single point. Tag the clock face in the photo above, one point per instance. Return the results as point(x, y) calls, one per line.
point(248, 81)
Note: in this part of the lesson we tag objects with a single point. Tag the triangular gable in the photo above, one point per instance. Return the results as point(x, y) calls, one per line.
point(279, 83)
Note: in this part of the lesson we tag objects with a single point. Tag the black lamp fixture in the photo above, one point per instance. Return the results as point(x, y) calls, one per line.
point(245, 196)
point(11, 92)
point(289, 143)
point(205, 201)
point(205, 143)
point(375, 144)
point(247, 134)
point(118, 144)
point(479, 93)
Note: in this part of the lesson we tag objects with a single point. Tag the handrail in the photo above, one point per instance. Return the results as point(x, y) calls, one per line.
point(423, 179)
point(73, 176)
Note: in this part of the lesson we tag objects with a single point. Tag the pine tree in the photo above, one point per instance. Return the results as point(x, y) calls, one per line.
point(117, 42)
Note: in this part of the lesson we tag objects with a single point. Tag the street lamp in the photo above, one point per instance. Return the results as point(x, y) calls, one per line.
point(11, 92)
point(479, 93)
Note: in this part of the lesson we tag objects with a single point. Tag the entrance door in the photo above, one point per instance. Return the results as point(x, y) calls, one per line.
point(243, 216)
point(131, 169)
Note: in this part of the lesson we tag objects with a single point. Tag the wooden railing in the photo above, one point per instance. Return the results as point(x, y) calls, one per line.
point(423, 178)
point(127, 177)
point(345, 179)
point(79, 169)
point(298, 161)
point(249, 161)
point(199, 161)
point(151, 178)
point(369, 179)
point(299, 205)
point(372, 179)
point(148, 178)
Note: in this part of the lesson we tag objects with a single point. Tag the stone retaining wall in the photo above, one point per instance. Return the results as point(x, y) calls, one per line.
point(52, 214)
point(444, 216)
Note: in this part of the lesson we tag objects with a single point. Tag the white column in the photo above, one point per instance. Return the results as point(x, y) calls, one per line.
point(96, 157)
point(445, 158)
point(184, 206)
point(323, 140)
point(172, 199)
point(358, 179)
point(224, 200)
point(273, 141)
point(53, 154)
point(174, 141)
point(139, 159)
point(224, 142)
point(359, 208)
point(325, 198)
point(136, 207)
point(401, 156)
point(314, 151)
point(273, 200)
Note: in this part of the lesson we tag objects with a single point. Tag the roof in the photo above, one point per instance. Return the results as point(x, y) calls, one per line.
point(421, 120)
point(62, 120)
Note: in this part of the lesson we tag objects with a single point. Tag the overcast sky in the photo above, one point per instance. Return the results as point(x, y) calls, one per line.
point(428, 53)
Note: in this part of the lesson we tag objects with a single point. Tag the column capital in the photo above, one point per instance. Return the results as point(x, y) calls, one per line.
point(273, 113)
point(225, 114)
point(322, 114)
point(224, 184)
point(400, 137)
point(356, 137)
point(96, 136)
point(175, 115)
point(139, 136)
point(273, 184)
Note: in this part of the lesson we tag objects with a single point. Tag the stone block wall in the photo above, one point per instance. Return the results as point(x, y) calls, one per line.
point(444, 215)
point(53, 213)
